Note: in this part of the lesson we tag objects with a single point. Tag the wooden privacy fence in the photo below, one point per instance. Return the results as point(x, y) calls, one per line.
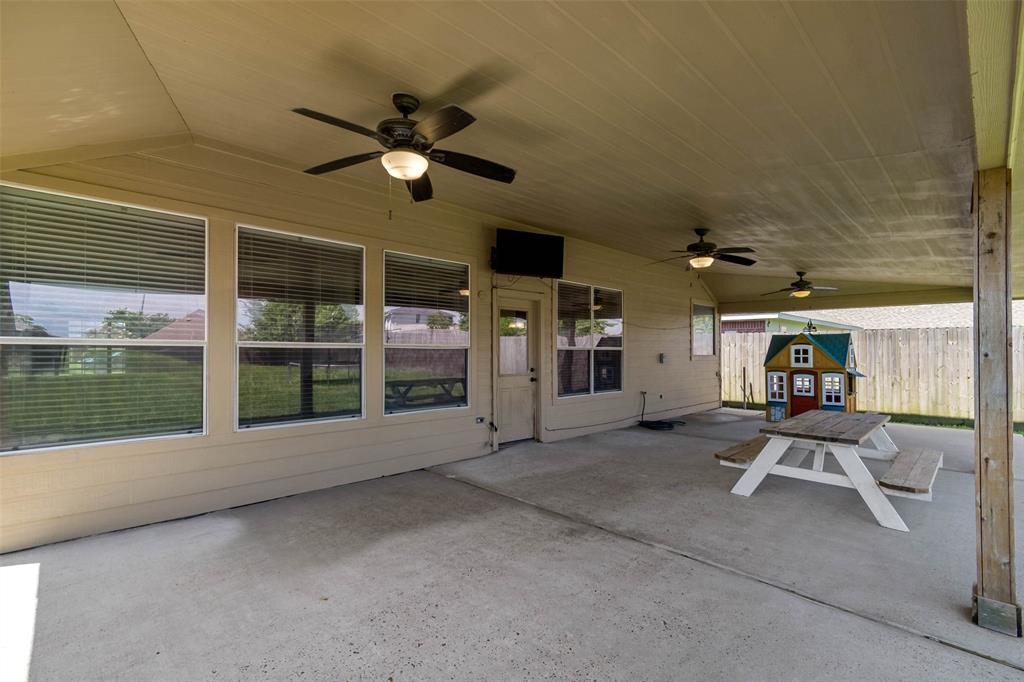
point(909, 371)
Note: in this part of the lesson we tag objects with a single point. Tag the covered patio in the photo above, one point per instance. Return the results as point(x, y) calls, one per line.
point(614, 555)
point(326, 329)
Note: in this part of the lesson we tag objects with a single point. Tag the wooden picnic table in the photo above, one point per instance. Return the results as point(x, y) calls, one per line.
point(785, 445)
point(400, 390)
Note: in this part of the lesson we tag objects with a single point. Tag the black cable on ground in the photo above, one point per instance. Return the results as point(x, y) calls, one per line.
point(658, 424)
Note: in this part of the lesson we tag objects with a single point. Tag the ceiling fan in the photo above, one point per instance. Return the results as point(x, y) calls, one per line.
point(409, 146)
point(703, 254)
point(801, 288)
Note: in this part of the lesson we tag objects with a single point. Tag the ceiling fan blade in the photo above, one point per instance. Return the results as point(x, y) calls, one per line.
point(331, 120)
point(420, 188)
point(737, 249)
point(817, 288)
point(665, 260)
point(780, 291)
point(473, 164)
point(446, 121)
point(738, 260)
point(342, 163)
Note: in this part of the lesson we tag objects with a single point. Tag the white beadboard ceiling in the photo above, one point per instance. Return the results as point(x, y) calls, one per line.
point(832, 137)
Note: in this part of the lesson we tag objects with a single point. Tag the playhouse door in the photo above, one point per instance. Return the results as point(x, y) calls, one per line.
point(804, 396)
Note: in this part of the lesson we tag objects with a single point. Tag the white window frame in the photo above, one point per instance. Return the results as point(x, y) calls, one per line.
point(591, 348)
point(793, 355)
point(384, 338)
point(810, 385)
point(826, 393)
point(773, 395)
point(293, 344)
point(51, 341)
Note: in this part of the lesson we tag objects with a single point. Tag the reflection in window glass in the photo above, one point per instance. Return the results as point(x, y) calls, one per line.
point(53, 395)
point(803, 384)
point(288, 384)
point(426, 301)
point(514, 352)
point(607, 318)
point(306, 293)
point(130, 282)
point(573, 372)
point(703, 323)
point(574, 320)
point(607, 370)
point(424, 378)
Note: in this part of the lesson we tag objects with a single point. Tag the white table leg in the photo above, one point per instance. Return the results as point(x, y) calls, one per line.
point(882, 441)
point(819, 456)
point(865, 484)
point(762, 464)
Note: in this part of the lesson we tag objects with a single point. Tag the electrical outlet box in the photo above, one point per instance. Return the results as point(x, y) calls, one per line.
point(661, 358)
point(480, 420)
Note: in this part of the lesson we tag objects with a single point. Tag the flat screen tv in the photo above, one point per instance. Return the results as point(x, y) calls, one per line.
point(528, 254)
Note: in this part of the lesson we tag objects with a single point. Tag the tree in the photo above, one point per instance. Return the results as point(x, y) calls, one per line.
point(130, 324)
point(280, 321)
point(439, 320)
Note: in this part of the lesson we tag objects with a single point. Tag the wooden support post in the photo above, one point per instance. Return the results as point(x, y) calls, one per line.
point(995, 594)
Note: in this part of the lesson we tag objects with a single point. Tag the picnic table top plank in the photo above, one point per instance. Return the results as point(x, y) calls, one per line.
point(846, 428)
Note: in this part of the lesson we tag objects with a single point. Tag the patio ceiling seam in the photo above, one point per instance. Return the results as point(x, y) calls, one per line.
point(572, 518)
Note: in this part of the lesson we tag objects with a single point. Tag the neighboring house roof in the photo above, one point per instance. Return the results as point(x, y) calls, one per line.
point(192, 327)
point(792, 317)
point(914, 316)
point(835, 346)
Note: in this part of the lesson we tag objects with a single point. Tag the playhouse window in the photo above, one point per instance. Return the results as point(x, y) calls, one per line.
point(832, 389)
point(777, 386)
point(803, 384)
point(801, 356)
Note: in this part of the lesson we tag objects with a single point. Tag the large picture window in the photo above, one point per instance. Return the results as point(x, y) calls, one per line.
point(426, 333)
point(102, 321)
point(300, 328)
point(589, 339)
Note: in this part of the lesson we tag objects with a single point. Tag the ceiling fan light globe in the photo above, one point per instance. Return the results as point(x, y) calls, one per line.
point(404, 164)
point(702, 261)
point(800, 293)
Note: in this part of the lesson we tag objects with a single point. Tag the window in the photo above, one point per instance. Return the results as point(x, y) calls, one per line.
point(589, 339)
point(702, 338)
point(299, 325)
point(777, 386)
point(803, 384)
point(426, 333)
point(102, 321)
point(801, 356)
point(832, 389)
point(514, 354)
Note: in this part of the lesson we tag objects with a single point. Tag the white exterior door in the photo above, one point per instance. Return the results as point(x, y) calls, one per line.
point(517, 370)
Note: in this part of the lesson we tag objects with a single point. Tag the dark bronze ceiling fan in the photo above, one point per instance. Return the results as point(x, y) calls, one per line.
point(703, 254)
point(409, 146)
point(801, 288)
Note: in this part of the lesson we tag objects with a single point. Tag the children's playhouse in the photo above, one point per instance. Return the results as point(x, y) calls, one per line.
point(809, 372)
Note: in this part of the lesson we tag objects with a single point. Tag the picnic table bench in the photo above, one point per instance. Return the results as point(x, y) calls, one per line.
point(782, 448)
point(399, 392)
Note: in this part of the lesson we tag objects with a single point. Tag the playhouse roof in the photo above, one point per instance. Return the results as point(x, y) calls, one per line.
point(835, 346)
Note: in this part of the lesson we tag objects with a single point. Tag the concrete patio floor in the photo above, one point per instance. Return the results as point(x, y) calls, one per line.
point(614, 556)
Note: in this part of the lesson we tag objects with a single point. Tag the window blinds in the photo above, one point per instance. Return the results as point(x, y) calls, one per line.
point(102, 321)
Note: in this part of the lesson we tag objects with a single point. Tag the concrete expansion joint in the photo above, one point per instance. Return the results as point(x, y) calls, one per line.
point(579, 520)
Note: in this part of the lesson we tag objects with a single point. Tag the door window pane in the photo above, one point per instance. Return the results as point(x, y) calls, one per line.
point(287, 384)
point(515, 349)
point(424, 378)
point(52, 395)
